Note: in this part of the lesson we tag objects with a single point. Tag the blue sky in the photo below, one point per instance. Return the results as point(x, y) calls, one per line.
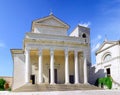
point(16, 16)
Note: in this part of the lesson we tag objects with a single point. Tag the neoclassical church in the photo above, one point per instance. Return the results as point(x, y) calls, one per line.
point(51, 57)
point(108, 63)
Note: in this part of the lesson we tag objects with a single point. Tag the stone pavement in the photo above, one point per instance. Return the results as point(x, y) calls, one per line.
point(77, 92)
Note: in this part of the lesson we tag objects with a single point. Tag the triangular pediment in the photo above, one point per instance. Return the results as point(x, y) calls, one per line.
point(51, 21)
point(50, 25)
point(105, 45)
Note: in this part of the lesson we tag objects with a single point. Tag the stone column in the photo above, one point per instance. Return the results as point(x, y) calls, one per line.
point(40, 66)
point(52, 81)
point(80, 68)
point(76, 67)
point(66, 68)
point(27, 66)
point(85, 70)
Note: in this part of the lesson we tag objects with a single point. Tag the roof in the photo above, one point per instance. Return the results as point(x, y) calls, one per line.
point(6, 77)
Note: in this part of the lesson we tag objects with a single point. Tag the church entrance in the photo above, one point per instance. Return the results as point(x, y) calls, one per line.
point(71, 77)
point(108, 71)
point(55, 76)
point(32, 77)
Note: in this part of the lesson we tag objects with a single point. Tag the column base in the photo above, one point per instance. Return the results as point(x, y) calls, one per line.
point(86, 83)
point(67, 83)
point(77, 83)
point(41, 83)
point(27, 82)
point(52, 83)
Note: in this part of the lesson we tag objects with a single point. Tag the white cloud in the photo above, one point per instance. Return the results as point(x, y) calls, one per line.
point(2, 45)
point(95, 47)
point(99, 37)
point(95, 43)
point(85, 24)
point(96, 40)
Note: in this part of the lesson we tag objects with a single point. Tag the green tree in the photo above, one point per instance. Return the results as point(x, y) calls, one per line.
point(2, 82)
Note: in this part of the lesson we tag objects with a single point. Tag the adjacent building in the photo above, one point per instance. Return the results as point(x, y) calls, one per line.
point(50, 56)
point(107, 62)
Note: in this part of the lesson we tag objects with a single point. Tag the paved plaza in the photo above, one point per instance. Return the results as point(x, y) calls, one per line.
point(80, 92)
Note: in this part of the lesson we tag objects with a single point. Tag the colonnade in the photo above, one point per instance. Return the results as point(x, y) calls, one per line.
point(40, 67)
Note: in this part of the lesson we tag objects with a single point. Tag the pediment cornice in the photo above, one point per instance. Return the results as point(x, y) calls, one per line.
point(106, 45)
point(50, 20)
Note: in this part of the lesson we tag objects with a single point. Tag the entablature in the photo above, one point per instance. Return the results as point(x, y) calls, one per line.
point(53, 38)
point(54, 47)
point(17, 51)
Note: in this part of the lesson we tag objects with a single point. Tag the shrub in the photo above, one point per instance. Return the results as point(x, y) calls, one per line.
point(2, 82)
point(106, 81)
point(9, 89)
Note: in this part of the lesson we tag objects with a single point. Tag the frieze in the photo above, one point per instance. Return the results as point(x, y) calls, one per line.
point(56, 47)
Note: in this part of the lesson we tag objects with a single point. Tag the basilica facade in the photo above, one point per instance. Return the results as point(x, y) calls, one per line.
point(50, 56)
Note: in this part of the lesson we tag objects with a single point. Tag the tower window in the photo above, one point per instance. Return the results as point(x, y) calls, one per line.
point(84, 35)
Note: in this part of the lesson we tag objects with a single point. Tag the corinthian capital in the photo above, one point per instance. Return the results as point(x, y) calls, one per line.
point(51, 51)
point(40, 51)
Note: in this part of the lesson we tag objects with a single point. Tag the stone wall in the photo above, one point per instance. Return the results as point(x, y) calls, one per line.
point(19, 71)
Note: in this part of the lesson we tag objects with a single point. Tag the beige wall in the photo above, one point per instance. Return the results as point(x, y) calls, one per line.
point(58, 64)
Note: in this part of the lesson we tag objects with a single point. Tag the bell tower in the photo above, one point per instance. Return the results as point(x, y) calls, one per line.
point(82, 32)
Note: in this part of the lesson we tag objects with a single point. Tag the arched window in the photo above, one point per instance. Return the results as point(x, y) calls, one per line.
point(107, 57)
point(84, 35)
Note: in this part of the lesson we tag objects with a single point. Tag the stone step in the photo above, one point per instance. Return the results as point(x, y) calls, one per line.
point(55, 87)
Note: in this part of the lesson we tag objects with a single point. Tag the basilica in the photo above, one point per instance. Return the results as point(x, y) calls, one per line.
point(51, 57)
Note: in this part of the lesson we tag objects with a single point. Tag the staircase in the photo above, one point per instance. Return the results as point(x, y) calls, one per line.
point(55, 87)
